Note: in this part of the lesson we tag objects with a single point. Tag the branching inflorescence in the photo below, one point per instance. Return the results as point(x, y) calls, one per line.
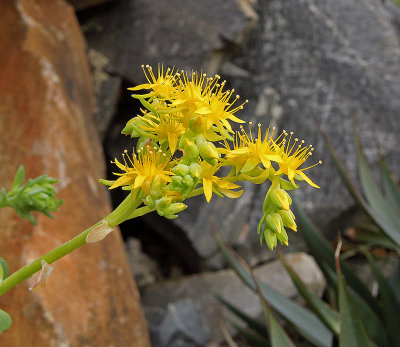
point(185, 137)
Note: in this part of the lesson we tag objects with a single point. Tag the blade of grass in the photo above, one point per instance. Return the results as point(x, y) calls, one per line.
point(251, 322)
point(305, 322)
point(323, 253)
point(391, 307)
point(328, 316)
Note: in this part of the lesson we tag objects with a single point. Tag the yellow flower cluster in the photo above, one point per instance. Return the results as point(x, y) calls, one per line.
point(185, 136)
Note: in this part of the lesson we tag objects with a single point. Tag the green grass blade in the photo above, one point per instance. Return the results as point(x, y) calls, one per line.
point(382, 212)
point(279, 338)
point(251, 322)
point(251, 337)
point(391, 307)
point(323, 253)
point(389, 186)
point(374, 325)
point(305, 322)
point(353, 332)
point(328, 316)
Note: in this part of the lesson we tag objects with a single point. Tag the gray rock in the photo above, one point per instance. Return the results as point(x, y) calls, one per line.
point(183, 325)
point(201, 288)
point(144, 269)
point(107, 90)
point(185, 33)
point(327, 61)
point(309, 60)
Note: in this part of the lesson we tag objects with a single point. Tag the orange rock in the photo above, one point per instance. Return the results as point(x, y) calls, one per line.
point(46, 106)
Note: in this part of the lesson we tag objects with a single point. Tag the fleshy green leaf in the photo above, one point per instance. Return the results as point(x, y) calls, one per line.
point(5, 321)
point(4, 265)
point(19, 178)
point(391, 307)
point(352, 330)
point(305, 322)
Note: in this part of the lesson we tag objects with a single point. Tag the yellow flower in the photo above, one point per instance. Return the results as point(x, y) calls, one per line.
point(292, 157)
point(163, 128)
point(216, 184)
point(144, 167)
point(249, 152)
point(201, 96)
point(163, 85)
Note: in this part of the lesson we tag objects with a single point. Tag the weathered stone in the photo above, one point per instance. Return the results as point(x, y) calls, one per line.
point(143, 268)
point(183, 325)
point(186, 33)
point(308, 60)
point(46, 107)
point(85, 4)
point(107, 90)
point(328, 62)
point(201, 288)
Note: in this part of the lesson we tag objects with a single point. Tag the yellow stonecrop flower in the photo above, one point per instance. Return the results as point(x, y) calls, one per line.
point(144, 167)
point(217, 184)
point(293, 156)
point(163, 128)
point(163, 86)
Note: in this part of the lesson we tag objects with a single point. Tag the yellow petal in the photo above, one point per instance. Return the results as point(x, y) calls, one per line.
point(207, 186)
point(232, 194)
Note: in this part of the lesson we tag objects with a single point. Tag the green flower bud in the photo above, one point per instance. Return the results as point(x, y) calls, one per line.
point(157, 187)
point(209, 152)
point(176, 183)
point(162, 204)
point(274, 222)
point(288, 219)
point(198, 124)
point(174, 209)
point(188, 181)
point(270, 238)
point(149, 201)
point(191, 149)
point(283, 237)
point(195, 170)
point(280, 199)
point(181, 170)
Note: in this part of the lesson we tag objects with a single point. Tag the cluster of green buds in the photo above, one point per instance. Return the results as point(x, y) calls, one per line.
point(35, 195)
point(185, 136)
point(276, 216)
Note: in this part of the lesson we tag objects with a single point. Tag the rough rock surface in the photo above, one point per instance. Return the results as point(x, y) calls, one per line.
point(186, 33)
point(45, 123)
point(201, 288)
point(309, 60)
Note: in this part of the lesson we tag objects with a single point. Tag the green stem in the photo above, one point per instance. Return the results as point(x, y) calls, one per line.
point(126, 210)
point(50, 257)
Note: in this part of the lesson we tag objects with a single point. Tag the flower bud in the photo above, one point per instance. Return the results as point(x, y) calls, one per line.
point(191, 149)
point(195, 170)
point(149, 201)
point(288, 219)
point(274, 222)
point(176, 183)
point(198, 124)
point(162, 204)
point(270, 238)
point(174, 209)
point(157, 187)
point(283, 237)
point(188, 181)
point(181, 170)
point(209, 152)
point(280, 199)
